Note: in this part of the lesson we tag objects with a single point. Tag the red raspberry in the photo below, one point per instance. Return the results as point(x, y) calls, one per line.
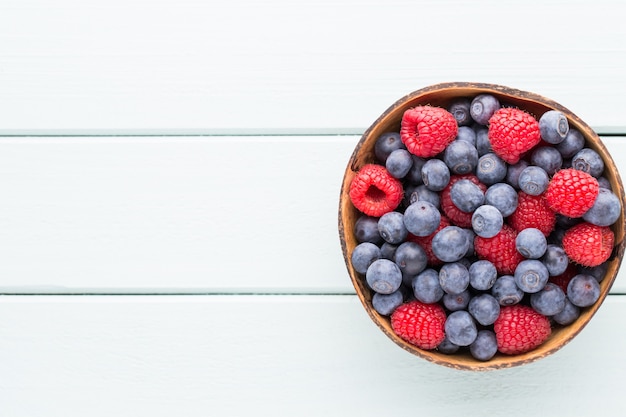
point(532, 211)
point(374, 191)
point(427, 130)
point(500, 250)
point(563, 279)
point(419, 324)
point(426, 242)
point(520, 329)
point(588, 244)
point(456, 216)
point(512, 132)
point(571, 192)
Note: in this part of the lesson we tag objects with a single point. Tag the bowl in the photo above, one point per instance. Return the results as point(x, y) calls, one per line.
point(441, 95)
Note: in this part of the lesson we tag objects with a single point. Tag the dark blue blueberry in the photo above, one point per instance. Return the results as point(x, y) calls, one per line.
point(447, 347)
point(410, 258)
point(435, 174)
point(388, 251)
point(485, 346)
point(484, 308)
point(467, 134)
point(605, 210)
point(531, 275)
point(598, 272)
point(514, 171)
point(466, 195)
point(568, 315)
point(531, 243)
point(455, 302)
point(460, 109)
point(553, 126)
point(603, 182)
point(453, 277)
point(391, 227)
point(555, 259)
point(483, 106)
point(363, 255)
point(503, 197)
point(483, 275)
point(470, 250)
point(415, 173)
point(426, 286)
point(589, 161)
point(549, 301)
point(386, 304)
point(583, 290)
point(547, 158)
point(421, 193)
point(399, 163)
point(487, 221)
point(461, 157)
point(460, 328)
point(491, 169)
point(422, 218)
point(573, 142)
point(366, 230)
point(533, 180)
point(383, 276)
point(387, 143)
point(483, 145)
point(450, 244)
point(506, 291)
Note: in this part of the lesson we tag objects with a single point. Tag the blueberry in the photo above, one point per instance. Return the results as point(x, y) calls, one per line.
point(470, 250)
point(435, 174)
point(589, 161)
point(531, 243)
point(466, 195)
point(366, 230)
point(603, 182)
point(531, 275)
point(553, 126)
point(450, 244)
point(421, 193)
point(388, 251)
point(487, 221)
point(421, 218)
point(426, 286)
point(414, 175)
point(503, 197)
point(514, 171)
point(387, 143)
point(506, 291)
point(447, 347)
point(598, 272)
point(483, 275)
point(485, 346)
point(549, 301)
point(455, 302)
point(460, 328)
point(391, 227)
point(410, 258)
point(483, 106)
point(453, 278)
point(483, 145)
point(385, 304)
point(555, 259)
point(467, 134)
point(399, 163)
point(547, 158)
point(574, 141)
point(383, 276)
point(363, 255)
point(568, 315)
point(460, 109)
point(461, 157)
point(484, 308)
point(583, 290)
point(491, 169)
point(533, 180)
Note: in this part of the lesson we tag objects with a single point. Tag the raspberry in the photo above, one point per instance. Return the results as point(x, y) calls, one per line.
point(572, 192)
point(454, 214)
point(420, 324)
point(426, 242)
point(427, 130)
point(500, 250)
point(512, 132)
point(520, 329)
point(532, 211)
point(374, 191)
point(588, 244)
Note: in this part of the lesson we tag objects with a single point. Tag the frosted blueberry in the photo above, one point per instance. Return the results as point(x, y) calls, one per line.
point(460, 109)
point(483, 106)
point(363, 255)
point(450, 244)
point(391, 227)
point(514, 171)
point(455, 302)
point(583, 290)
point(589, 161)
point(461, 157)
point(503, 197)
point(555, 259)
point(366, 229)
point(484, 308)
point(487, 221)
point(384, 276)
point(435, 174)
point(399, 163)
point(553, 126)
point(506, 291)
point(426, 287)
point(387, 143)
point(460, 328)
point(466, 195)
point(574, 141)
point(483, 275)
point(549, 301)
point(453, 278)
point(548, 158)
point(485, 346)
point(385, 304)
point(533, 180)
point(605, 210)
point(410, 258)
point(531, 243)
point(421, 218)
point(531, 275)
point(491, 169)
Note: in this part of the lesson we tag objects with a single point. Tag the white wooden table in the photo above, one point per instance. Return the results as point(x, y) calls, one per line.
point(169, 182)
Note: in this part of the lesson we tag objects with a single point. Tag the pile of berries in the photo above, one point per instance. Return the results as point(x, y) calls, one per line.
point(482, 226)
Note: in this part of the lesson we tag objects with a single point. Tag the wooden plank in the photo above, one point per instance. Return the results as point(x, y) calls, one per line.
point(177, 214)
point(272, 355)
point(137, 66)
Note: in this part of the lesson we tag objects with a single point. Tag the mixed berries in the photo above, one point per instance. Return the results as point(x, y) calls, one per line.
point(482, 226)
